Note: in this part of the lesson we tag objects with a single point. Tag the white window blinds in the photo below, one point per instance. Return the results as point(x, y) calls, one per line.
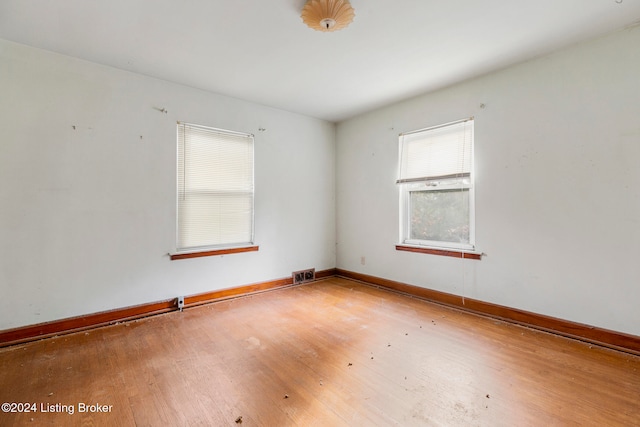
point(436, 153)
point(215, 188)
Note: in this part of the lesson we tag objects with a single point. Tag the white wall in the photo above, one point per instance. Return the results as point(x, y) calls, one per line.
point(557, 188)
point(87, 216)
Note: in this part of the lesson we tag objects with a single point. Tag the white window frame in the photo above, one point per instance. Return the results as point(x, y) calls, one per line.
point(462, 180)
point(248, 188)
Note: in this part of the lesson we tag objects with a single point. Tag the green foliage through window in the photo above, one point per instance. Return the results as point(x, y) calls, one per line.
point(441, 215)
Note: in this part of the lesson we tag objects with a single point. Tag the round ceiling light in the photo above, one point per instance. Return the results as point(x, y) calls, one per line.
point(327, 15)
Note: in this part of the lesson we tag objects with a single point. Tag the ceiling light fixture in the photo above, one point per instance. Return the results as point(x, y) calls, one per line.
point(327, 15)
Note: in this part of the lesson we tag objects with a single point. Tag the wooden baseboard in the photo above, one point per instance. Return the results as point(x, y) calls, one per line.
point(79, 323)
point(612, 339)
point(604, 337)
point(208, 297)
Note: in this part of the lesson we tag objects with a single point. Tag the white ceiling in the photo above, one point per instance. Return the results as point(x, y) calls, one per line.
point(260, 51)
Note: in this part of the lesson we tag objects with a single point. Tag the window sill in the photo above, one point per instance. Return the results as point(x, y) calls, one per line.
point(456, 253)
point(215, 252)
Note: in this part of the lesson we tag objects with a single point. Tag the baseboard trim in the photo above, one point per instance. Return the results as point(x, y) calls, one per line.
point(603, 337)
point(80, 323)
point(255, 288)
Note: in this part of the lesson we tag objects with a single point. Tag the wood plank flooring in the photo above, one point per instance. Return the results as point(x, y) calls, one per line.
point(330, 353)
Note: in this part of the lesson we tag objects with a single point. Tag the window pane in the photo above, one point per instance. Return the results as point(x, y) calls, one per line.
point(443, 151)
point(215, 218)
point(215, 188)
point(439, 215)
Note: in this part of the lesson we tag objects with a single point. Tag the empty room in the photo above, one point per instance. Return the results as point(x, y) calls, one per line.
point(320, 213)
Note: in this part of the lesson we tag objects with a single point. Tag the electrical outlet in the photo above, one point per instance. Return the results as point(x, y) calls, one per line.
point(180, 302)
point(363, 260)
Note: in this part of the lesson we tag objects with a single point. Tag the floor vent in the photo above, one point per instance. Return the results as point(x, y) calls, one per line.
point(303, 276)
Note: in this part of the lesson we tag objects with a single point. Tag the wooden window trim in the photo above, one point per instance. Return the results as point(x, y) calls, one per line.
point(215, 252)
point(455, 253)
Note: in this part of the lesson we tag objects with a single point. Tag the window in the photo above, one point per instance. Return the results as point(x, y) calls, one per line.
point(436, 186)
point(215, 188)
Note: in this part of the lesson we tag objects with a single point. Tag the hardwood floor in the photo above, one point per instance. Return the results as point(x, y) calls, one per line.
point(330, 353)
